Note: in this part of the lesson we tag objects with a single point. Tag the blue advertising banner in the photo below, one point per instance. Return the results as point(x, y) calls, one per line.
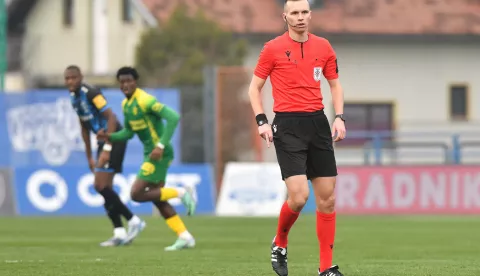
point(40, 128)
point(69, 190)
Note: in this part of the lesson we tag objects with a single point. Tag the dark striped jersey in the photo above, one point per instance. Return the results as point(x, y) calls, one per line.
point(89, 103)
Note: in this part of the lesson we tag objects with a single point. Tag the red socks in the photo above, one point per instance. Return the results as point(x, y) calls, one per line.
point(325, 233)
point(326, 237)
point(285, 222)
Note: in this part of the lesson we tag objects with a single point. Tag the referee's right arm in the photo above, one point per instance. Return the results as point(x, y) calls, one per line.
point(262, 71)
point(260, 75)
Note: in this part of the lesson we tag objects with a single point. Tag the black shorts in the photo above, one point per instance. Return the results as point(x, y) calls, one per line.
point(115, 165)
point(304, 146)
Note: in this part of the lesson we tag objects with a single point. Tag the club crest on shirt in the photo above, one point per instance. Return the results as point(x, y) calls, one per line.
point(317, 73)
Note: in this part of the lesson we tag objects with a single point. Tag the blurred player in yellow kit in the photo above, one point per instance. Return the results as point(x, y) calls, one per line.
point(144, 117)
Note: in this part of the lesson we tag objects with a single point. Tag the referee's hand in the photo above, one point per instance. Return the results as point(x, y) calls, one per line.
point(339, 130)
point(265, 132)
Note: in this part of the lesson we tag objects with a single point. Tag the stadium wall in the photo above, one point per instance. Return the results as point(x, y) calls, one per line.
point(256, 189)
point(45, 173)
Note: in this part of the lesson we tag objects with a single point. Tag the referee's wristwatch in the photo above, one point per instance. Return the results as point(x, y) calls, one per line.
point(340, 116)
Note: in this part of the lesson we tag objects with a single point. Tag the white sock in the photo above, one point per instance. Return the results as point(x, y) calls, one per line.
point(186, 236)
point(134, 220)
point(120, 232)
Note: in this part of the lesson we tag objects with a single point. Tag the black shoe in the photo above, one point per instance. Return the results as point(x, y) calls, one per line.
point(332, 271)
point(279, 260)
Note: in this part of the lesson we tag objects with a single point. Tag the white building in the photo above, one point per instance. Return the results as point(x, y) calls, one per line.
point(409, 66)
point(47, 35)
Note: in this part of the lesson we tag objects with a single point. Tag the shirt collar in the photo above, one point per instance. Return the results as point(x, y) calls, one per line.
point(77, 92)
point(287, 35)
point(135, 94)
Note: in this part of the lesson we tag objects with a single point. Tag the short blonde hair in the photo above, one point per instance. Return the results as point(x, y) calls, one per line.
point(286, 1)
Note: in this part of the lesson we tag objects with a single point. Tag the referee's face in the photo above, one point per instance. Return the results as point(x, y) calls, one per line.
point(297, 15)
point(128, 84)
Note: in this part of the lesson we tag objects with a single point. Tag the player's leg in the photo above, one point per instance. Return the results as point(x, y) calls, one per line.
point(135, 229)
point(103, 185)
point(291, 152)
point(322, 171)
point(135, 224)
point(152, 172)
point(185, 240)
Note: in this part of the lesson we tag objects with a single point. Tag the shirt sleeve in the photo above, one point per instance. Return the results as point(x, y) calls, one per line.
point(96, 97)
point(123, 135)
point(126, 133)
point(169, 115)
point(331, 66)
point(266, 62)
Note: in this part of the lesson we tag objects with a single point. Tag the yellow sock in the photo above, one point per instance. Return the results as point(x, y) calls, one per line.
point(176, 224)
point(168, 193)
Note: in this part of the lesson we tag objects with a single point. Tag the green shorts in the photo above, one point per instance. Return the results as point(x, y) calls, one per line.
point(155, 172)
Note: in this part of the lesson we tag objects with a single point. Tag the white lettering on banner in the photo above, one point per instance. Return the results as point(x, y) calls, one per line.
point(251, 189)
point(47, 177)
point(433, 191)
point(85, 188)
point(448, 189)
point(86, 184)
point(403, 190)
point(472, 191)
point(84, 194)
point(51, 128)
point(454, 187)
point(375, 195)
point(188, 180)
point(347, 190)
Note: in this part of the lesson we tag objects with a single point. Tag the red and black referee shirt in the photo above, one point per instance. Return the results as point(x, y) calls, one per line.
point(295, 69)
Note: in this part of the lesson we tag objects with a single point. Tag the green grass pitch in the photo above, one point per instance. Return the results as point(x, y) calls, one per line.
point(368, 245)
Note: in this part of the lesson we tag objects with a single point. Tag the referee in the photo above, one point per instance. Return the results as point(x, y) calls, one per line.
point(300, 130)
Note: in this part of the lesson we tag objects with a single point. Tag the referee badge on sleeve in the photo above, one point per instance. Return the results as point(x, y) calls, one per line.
point(317, 73)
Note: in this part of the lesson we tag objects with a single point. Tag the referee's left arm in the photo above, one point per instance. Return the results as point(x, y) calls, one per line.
point(331, 74)
point(337, 95)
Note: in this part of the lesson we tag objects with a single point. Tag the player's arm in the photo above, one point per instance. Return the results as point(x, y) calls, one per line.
point(262, 71)
point(265, 65)
point(331, 74)
point(98, 100)
point(255, 94)
point(169, 115)
point(124, 134)
point(337, 95)
point(86, 140)
point(172, 118)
